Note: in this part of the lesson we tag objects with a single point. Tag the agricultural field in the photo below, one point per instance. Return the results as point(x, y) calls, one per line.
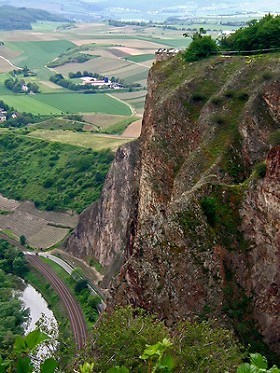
point(123, 52)
point(84, 103)
point(59, 103)
point(36, 54)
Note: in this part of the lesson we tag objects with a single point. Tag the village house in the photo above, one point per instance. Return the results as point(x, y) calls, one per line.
point(3, 117)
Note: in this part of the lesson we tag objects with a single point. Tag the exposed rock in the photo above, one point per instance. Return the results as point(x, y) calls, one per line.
point(261, 222)
point(179, 264)
point(102, 229)
point(199, 231)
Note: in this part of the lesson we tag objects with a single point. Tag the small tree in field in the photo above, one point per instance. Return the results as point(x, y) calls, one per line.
point(22, 240)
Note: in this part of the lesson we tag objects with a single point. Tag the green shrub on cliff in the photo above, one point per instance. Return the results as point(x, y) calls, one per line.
point(201, 47)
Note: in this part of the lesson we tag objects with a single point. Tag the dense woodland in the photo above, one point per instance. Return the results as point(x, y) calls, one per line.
point(55, 176)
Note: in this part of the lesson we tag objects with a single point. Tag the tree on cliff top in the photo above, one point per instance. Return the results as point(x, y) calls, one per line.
point(201, 47)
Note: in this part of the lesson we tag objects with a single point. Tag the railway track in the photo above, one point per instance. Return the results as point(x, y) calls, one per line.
point(74, 311)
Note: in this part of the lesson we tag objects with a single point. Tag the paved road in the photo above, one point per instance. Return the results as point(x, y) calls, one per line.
point(73, 309)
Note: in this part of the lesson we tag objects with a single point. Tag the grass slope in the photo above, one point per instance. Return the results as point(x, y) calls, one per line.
point(88, 140)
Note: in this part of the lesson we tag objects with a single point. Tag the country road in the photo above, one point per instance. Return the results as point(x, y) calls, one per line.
point(74, 311)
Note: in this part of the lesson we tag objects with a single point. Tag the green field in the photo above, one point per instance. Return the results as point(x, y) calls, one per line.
point(28, 104)
point(36, 54)
point(140, 57)
point(57, 103)
point(84, 103)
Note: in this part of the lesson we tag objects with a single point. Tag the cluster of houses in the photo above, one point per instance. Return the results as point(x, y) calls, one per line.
point(104, 83)
point(3, 115)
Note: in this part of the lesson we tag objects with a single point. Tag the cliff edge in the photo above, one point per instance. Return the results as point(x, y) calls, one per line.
point(200, 235)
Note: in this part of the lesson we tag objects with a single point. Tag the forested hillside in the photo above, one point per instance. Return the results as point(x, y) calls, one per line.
point(21, 18)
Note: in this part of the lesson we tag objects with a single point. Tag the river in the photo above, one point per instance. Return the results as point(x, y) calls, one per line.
point(37, 305)
point(38, 310)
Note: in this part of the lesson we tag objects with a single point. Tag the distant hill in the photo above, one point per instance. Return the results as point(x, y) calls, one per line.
point(12, 18)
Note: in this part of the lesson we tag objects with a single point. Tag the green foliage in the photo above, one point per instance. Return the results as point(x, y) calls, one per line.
point(12, 313)
point(119, 127)
point(221, 209)
point(20, 361)
point(122, 336)
point(28, 343)
point(22, 240)
point(55, 176)
point(258, 364)
point(203, 347)
point(216, 100)
point(201, 47)
point(86, 367)
point(157, 358)
point(72, 55)
point(81, 285)
point(130, 338)
point(219, 119)
point(261, 34)
point(274, 138)
point(118, 369)
point(209, 207)
point(260, 170)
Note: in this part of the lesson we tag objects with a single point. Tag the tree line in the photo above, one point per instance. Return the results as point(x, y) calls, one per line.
point(259, 35)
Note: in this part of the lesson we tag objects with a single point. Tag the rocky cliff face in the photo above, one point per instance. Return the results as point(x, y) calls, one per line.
point(206, 236)
point(200, 228)
point(261, 223)
point(102, 229)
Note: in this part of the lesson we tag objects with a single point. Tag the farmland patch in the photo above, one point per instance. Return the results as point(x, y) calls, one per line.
point(83, 103)
point(36, 54)
point(29, 104)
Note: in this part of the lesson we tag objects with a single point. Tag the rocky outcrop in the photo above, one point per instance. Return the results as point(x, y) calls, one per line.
point(198, 228)
point(261, 224)
point(206, 239)
point(102, 229)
